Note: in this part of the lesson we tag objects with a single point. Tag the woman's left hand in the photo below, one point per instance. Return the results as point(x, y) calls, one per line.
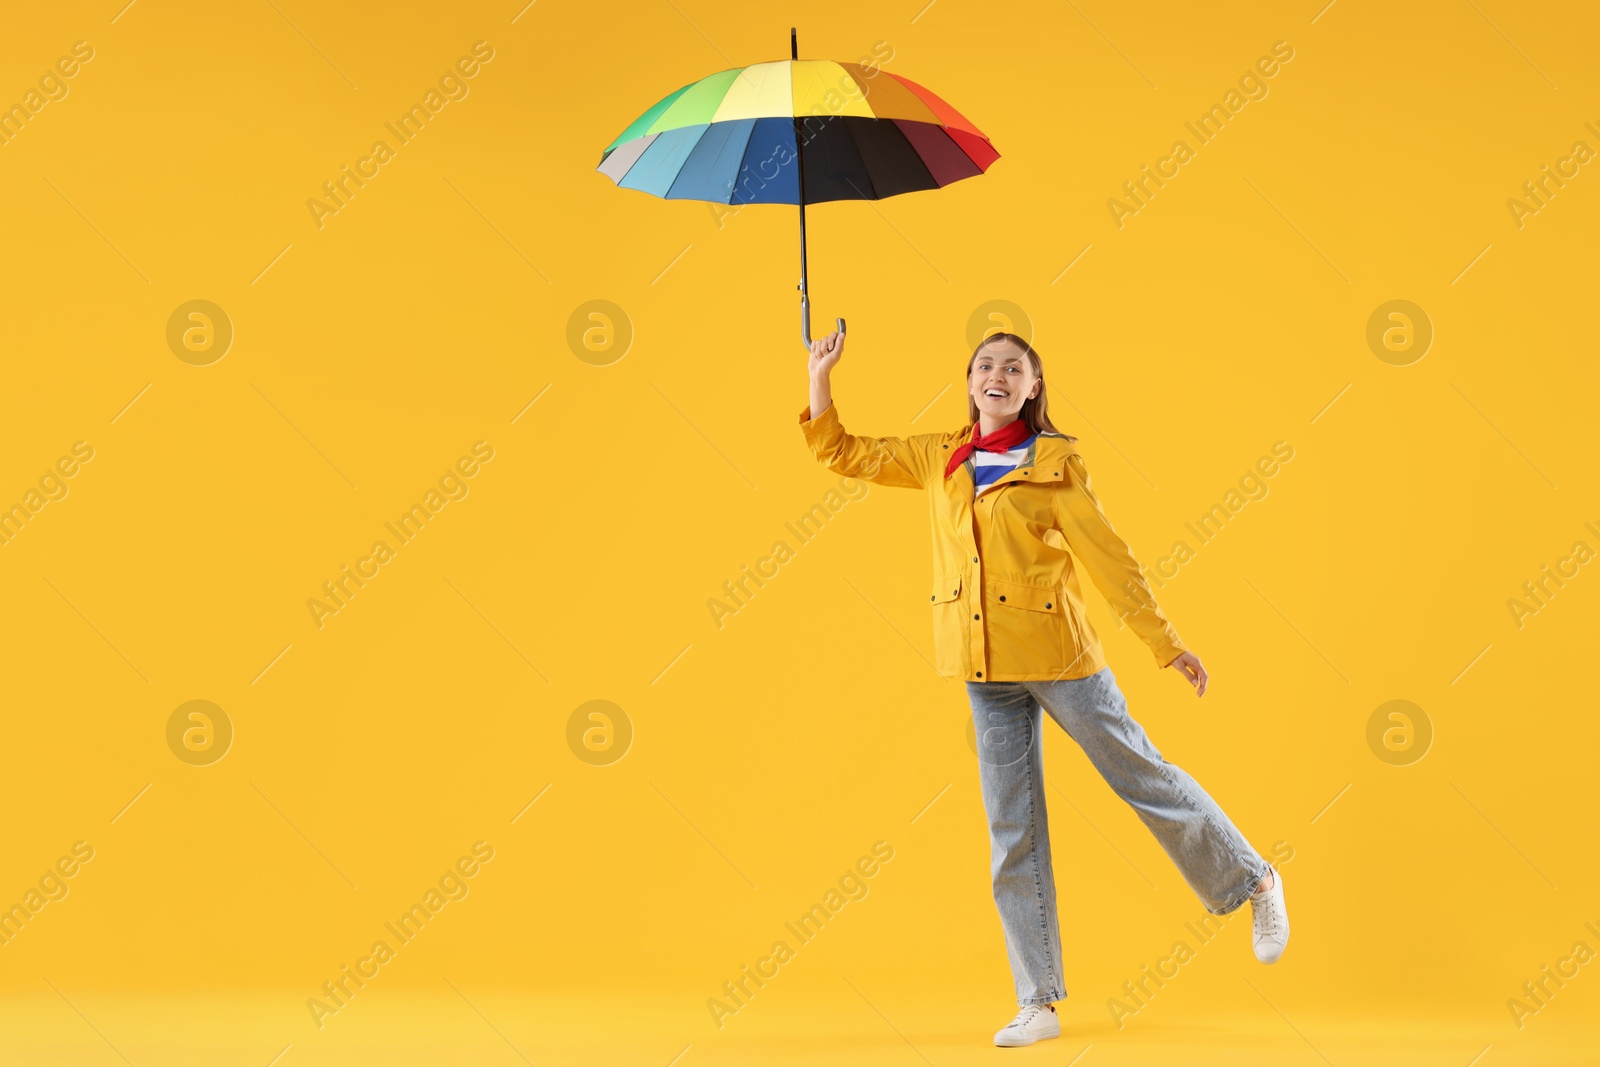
point(1193, 671)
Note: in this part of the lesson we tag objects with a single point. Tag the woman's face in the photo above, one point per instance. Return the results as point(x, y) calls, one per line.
point(1002, 378)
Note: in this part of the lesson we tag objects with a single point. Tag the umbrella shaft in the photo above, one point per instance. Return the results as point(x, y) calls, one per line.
point(805, 300)
point(799, 162)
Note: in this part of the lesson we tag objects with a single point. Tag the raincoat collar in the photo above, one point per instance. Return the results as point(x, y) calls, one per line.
point(1046, 460)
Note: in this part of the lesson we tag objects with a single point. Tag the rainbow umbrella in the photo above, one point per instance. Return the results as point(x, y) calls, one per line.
point(797, 132)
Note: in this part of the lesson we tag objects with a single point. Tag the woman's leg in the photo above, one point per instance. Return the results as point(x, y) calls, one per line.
point(1213, 856)
point(1006, 717)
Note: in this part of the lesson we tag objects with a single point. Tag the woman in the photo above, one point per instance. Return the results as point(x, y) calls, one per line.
point(1015, 518)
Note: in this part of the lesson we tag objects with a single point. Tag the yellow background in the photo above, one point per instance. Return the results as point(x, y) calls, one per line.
point(769, 754)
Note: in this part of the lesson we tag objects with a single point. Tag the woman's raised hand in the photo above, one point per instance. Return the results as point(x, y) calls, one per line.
point(825, 353)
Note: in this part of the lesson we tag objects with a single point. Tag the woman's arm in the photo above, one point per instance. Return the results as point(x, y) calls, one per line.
point(891, 461)
point(823, 360)
point(1111, 566)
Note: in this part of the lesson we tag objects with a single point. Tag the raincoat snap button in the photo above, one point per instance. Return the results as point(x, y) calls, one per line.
point(1047, 605)
point(1002, 598)
point(933, 598)
point(974, 559)
point(980, 674)
point(974, 616)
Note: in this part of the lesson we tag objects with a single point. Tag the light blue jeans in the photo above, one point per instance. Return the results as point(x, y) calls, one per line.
point(1214, 858)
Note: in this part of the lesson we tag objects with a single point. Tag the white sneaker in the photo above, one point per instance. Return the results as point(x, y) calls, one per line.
point(1271, 920)
point(1034, 1022)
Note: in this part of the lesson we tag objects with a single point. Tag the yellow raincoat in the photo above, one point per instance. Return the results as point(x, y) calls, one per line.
point(1007, 605)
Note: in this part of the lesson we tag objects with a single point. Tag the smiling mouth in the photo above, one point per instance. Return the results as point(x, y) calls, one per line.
point(999, 394)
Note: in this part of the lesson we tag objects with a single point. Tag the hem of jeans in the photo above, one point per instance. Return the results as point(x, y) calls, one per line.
point(1249, 888)
point(1041, 1000)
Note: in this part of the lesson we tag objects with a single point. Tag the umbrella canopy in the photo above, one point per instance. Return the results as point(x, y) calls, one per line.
point(796, 132)
point(867, 134)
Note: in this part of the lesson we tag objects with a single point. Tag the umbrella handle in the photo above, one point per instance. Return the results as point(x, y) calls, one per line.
point(805, 323)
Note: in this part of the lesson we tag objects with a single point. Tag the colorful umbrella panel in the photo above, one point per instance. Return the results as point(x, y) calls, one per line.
point(730, 138)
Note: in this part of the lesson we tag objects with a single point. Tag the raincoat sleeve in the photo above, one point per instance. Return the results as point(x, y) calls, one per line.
point(892, 461)
point(1091, 538)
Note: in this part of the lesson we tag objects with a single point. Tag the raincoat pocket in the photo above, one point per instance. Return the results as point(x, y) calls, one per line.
point(947, 624)
point(946, 589)
point(1027, 629)
point(1027, 597)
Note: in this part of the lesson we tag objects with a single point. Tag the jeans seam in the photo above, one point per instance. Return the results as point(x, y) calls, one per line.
point(1051, 962)
point(1183, 791)
point(1033, 855)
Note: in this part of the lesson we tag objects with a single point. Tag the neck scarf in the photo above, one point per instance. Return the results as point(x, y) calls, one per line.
point(1004, 439)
